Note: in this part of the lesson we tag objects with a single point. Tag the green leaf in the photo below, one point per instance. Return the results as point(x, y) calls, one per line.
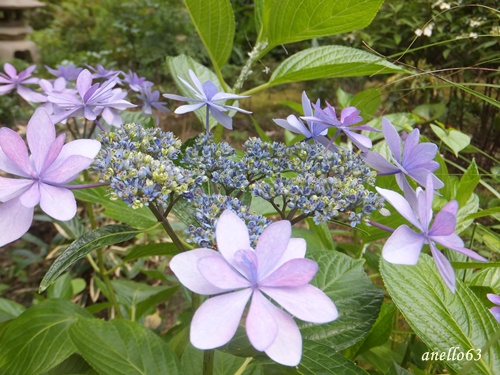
point(9, 309)
point(488, 212)
point(382, 329)
point(288, 21)
point(489, 277)
point(357, 299)
point(224, 363)
point(149, 250)
point(38, 339)
point(321, 359)
point(467, 184)
point(90, 241)
point(330, 62)
point(323, 233)
point(123, 347)
point(368, 101)
point(214, 22)
point(61, 288)
point(454, 139)
point(443, 320)
point(74, 364)
point(118, 210)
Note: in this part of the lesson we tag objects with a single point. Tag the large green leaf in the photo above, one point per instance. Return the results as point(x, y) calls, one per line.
point(454, 139)
point(214, 21)
point(357, 299)
point(444, 320)
point(123, 347)
point(90, 241)
point(9, 309)
point(468, 183)
point(288, 21)
point(330, 62)
point(321, 359)
point(118, 210)
point(38, 339)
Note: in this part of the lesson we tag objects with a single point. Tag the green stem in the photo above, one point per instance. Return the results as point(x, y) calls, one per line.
point(168, 228)
point(208, 362)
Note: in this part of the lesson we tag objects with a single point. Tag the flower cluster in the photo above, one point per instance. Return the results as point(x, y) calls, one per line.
point(208, 209)
point(138, 164)
point(322, 184)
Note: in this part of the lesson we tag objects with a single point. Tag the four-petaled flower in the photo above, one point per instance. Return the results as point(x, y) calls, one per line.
point(495, 310)
point(151, 100)
point(410, 158)
point(276, 268)
point(313, 130)
point(69, 72)
point(207, 94)
point(404, 245)
point(91, 101)
point(348, 117)
point(44, 174)
point(12, 80)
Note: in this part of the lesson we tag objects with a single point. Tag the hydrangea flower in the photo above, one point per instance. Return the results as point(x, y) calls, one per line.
point(404, 245)
point(207, 94)
point(409, 158)
point(69, 72)
point(313, 130)
point(348, 117)
point(44, 174)
point(12, 80)
point(135, 82)
point(495, 310)
point(151, 99)
point(91, 101)
point(237, 273)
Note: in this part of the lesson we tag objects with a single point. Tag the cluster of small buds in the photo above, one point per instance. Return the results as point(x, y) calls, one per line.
point(264, 159)
point(324, 185)
point(208, 209)
point(138, 165)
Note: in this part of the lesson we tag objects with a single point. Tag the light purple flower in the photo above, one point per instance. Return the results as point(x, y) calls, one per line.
point(409, 158)
point(11, 80)
point(206, 94)
point(312, 130)
point(348, 117)
point(404, 245)
point(150, 101)
point(495, 310)
point(43, 174)
point(135, 83)
point(91, 101)
point(101, 72)
point(236, 273)
point(69, 72)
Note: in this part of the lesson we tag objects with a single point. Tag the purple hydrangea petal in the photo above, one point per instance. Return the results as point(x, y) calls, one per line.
point(261, 326)
point(83, 82)
point(30, 95)
point(446, 220)
point(210, 90)
point(400, 204)
point(361, 141)
point(392, 138)
point(188, 108)
point(286, 348)
point(494, 298)
point(495, 311)
point(196, 81)
point(306, 302)
point(295, 272)
point(31, 197)
point(185, 267)
point(67, 171)
point(454, 242)
point(57, 202)
point(54, 151)
point(231, 235)
point(419, 155)
point(11, 188)
point(296, 249)
point(10, 70)
point(271, 246)
point(223, 119)
point(40, 134)
point(444, 267)
point(82, 147)
point(379, 163)
point(15, 220)
point(219, 273)
point(16, 152)
point(217, 319)
point(403, 246)
point(5, 89)
point(181, 98)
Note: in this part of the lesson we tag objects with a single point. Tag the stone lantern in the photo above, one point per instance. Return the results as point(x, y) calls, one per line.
point(14, 29)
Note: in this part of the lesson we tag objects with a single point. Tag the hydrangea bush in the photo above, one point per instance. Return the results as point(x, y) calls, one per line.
point(247, 231)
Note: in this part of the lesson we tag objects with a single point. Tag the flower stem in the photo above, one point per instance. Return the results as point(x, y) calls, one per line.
point(381, 226)
point(208, 362)
point(168, 228)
